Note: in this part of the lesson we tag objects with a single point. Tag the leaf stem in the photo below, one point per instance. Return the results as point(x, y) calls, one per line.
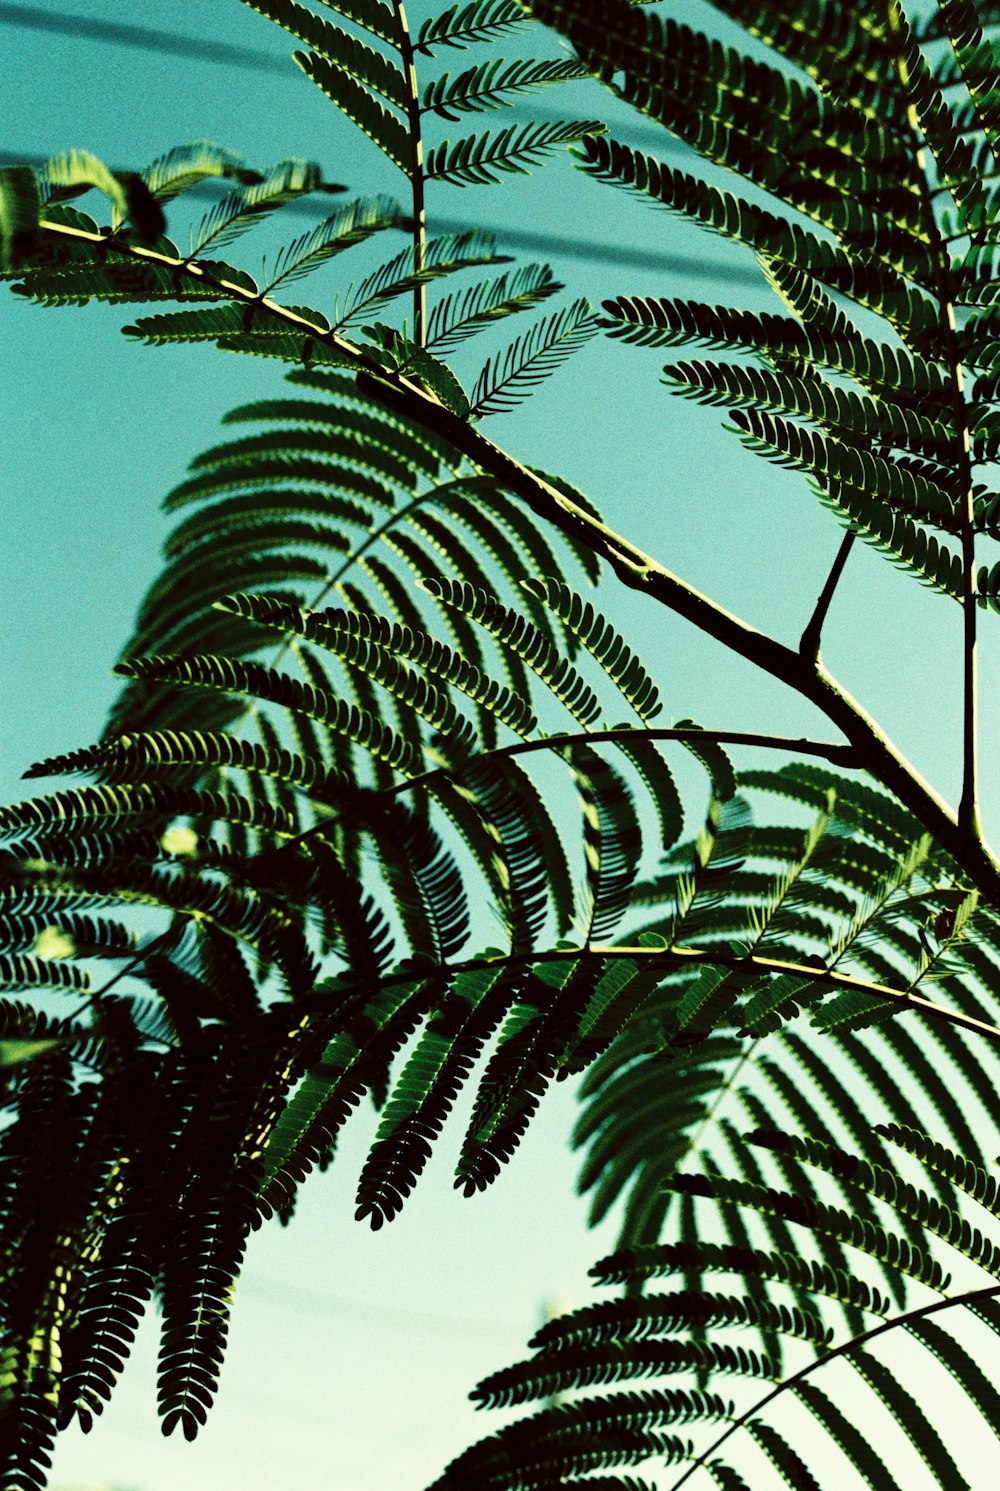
point(405, 43)
point(672, 958)
point(796, 745)
point(944, 289)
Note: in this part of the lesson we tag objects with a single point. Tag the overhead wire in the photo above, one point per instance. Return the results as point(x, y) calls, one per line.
point(298, 1297)
point(588, 250)
point(140, 38)
point(150, 39)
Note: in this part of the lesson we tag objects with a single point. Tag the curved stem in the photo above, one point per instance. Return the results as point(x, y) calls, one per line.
point(829, 750)
point(972, 1296)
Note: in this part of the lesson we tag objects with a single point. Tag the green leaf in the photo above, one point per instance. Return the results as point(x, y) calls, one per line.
point(482, 159)
point(366, 65)
point(361, 105)
point(202, 325)
point(603, 643)
point(516, 633)
point(427, 1086)
point(612, 841)
point(240, 210)
point(458, 316)
point(130, 197)
point(885, 291)
point(15, 1053)
point(505, 382)
point(909, 1413)
point(351, 225)
point(415, 362)
point(186, 166)
point(790, 1465)
point(487, 85)
point(371, 15)
point(462, 25)
point(442, 256)
point(258, 682)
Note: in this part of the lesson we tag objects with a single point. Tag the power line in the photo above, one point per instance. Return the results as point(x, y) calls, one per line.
point(299, 1298)
point(588, 249)
point(181, 44)
point(146, 38)
point(600, 253)
point(140, 38)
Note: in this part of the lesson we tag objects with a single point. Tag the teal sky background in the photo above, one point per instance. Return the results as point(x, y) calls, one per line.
point(351, 1353)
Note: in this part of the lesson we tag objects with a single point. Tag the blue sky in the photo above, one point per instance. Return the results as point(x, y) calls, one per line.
point(351, 1353)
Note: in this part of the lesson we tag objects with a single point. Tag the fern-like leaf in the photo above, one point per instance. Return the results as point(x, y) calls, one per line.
point(462, 25)
point(483, 159)
point(488, 85)
point(505, 382)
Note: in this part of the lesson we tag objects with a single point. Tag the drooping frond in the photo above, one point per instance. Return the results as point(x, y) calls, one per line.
point(186, 166)
point(602, 642)
point(237, 212)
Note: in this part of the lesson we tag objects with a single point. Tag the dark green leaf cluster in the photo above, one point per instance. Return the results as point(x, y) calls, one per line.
point(855, 129)
point(266, 896)
point(370, 729)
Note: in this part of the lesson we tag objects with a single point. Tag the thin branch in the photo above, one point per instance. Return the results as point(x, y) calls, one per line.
point(637, 570)
point(673, 958)
point(809, 641)
point(94, 996)
point(845, 755)
point(828, 977)
point(855, 1344)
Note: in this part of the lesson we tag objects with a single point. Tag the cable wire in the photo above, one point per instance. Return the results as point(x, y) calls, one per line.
point(141, 38)
point(590, 250)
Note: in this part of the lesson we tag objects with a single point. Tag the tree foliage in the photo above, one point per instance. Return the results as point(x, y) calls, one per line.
point(370, 653)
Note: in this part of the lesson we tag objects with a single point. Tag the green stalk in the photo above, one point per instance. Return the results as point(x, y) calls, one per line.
point(405, 43)
point(671, 959)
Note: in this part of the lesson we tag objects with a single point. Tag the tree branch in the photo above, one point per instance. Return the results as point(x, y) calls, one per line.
point(639, 571)
point(809, 641)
